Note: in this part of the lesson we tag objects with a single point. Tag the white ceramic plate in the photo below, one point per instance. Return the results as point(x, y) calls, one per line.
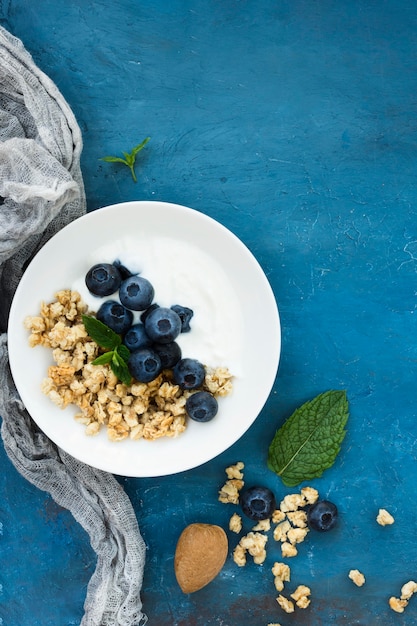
point(255, 338)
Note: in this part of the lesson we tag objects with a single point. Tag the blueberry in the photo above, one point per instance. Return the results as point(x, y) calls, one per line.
point(144, 365)
point(189, 373)
point(162, 325)
point(145, 314)
point(322, 515)
point(115, 316)
point(201, 406)
point(136, 338)
point(125, 272)
point(169, 353)
point(136, 293)
point(103, 279)
point(185, 316)
point(257, 503)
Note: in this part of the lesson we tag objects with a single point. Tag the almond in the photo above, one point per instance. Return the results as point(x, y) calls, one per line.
point(199, 556)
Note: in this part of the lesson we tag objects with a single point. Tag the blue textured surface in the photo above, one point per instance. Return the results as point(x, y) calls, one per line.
point(294, 124)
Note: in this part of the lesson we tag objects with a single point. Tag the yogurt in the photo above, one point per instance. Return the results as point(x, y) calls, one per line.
point(182, 274)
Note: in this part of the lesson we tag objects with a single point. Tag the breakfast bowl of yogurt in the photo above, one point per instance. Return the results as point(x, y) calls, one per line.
point(194, 264)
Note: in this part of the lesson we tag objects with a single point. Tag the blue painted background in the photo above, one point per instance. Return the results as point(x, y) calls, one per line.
point(294, 124)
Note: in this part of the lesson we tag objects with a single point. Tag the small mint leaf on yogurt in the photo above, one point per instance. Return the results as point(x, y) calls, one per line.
point(309, 441)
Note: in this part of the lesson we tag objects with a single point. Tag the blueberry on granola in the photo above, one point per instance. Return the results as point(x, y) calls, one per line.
point(144, 365)
point(162, 325)
point(115, 316)
point(201, 406)
point(103, 279)
point(257, 503)
point(322, 515)
point(189, 373)
point(136, 293)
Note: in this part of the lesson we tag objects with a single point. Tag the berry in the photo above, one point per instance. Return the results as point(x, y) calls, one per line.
point(169, 353)
point(185, 315)
point(162, 325)
point(145, 314)
point(136, 293)
point(201, 406)
point(103, 279)
point(322, 515)
point(144, 365)
point(136, 338)
point(189, 373)
point(257, 503)
point(125, 272)
point(115, 316)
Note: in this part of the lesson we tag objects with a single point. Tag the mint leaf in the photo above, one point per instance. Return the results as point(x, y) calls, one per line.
point(129, 157)
point(103, 359)
point(117, 355)
point(309, 441)
point(104, 336)
point(120, 368)
point(113, 159)
point(123, 351)
point(139, 147)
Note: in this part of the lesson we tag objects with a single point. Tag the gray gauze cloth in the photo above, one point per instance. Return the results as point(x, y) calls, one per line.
point(41, 190)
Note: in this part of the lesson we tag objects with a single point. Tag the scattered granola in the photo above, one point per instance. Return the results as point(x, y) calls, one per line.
point(254, 543)
point(239, 555)
point(229, 493)
point(282, 574)
point(407, 590)
point(291, 520)
point(291, 528)
point(296, 535)
point(397, 605)
point(301, 596)
point(384, 518)
point(278, 516)
point(357, 577)
point(263, 525)
point(138, 411)
point(235, 471)
point(288, 550)
point(285, 604)
point(298, 518)
point(235, 523)
point(281, 530)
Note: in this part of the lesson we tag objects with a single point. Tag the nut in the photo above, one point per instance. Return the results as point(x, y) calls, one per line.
point(199, 556)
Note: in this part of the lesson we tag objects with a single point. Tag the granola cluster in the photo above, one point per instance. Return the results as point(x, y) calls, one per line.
point(290, 521)
point(384, 518)
point(357, 577)
point(398, 604)
point(138, 411)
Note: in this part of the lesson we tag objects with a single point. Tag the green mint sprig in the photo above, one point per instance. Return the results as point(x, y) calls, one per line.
point(129, 157)
point(117, 354)
point(309, 441)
